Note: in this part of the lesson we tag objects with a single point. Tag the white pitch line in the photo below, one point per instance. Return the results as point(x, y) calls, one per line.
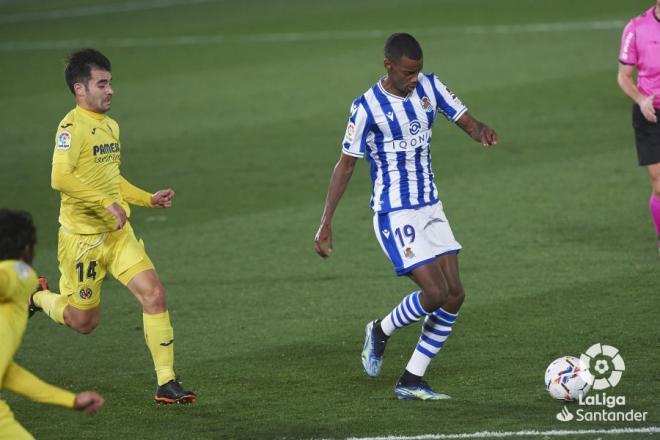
point(85, 11)
point(287, 37)
point(505, 434)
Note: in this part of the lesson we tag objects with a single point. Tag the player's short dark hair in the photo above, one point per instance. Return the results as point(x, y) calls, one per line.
point(400, 44)
point(17, 232)
point(79, 66)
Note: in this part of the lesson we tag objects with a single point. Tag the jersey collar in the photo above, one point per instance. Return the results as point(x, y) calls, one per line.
point(382, 89)
point(93, 115)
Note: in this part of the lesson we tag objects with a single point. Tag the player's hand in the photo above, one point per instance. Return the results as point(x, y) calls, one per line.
point(487, 136)
point(646, 106)
point(88, 402)
point(323, 240)
point(119, 213)
point(162, 198)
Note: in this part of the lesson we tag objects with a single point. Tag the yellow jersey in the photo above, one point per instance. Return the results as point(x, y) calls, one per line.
point(17, 282)
point(86, 161)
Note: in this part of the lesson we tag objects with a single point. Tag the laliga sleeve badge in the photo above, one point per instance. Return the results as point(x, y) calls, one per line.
point(350, 131)
point(64, 140)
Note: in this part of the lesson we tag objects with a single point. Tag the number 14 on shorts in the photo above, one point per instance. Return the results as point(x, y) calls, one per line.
point(91, 270)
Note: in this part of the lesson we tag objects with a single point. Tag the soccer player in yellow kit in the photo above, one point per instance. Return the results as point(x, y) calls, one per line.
point(17, 282)
point(95, 236)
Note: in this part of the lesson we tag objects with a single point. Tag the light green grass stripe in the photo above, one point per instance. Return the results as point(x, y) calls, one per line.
point(284, 37)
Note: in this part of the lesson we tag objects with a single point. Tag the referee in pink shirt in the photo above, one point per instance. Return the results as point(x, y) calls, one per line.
point(640, 49)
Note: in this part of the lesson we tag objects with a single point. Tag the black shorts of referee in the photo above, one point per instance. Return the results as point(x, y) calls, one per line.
point(647, 137)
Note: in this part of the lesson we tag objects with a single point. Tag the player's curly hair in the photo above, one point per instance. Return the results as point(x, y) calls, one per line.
point(400, 44)
point(17, 232)
point(79, 66)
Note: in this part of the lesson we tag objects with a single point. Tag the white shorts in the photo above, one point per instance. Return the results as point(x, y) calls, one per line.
point(413, 237)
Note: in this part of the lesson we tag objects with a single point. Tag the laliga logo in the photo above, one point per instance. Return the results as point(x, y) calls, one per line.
point(605, 366)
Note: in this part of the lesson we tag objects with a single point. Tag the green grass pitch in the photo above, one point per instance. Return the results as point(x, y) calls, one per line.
point(244, 118)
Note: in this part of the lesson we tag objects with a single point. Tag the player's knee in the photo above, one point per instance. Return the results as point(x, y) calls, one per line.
point(655, 183)
point(656, 190)
point(457, 296)
point(436, 296)
point(84, 324)
point(154, 297)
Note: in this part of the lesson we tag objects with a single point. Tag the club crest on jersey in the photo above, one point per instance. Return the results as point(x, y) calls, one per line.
point(64, 140)
point(426, 104)
point(350, 131)
point(86, 293)
point(414, 127)
point(409, 253)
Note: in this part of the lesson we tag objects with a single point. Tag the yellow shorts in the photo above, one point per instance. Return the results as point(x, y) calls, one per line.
point(84, 261)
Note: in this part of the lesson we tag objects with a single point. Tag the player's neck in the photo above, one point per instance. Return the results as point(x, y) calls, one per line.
point(657, 12)
point(389, 88)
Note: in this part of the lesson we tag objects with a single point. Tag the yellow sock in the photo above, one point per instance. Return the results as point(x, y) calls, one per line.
point(159, 336)
point(52, 304)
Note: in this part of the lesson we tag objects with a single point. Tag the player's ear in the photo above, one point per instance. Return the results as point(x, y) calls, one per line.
point(79, 89)
point(388, 64)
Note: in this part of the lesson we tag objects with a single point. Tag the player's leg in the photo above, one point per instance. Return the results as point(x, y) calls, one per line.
point(647, 141)
point(437, 295)
point(133, 268)
point(401, 238)
point(442, 294)
point(82, 271)
point(441, 287)
point(654, 202)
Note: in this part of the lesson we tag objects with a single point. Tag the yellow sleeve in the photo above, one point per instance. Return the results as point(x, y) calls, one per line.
point(17, 279)
point(62, 179)
point(20, 381)
point(69, 141)
point(134, 195)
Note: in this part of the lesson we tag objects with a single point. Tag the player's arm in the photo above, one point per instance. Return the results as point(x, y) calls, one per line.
point(136, 196)
point(68, 144)
point(341, 175)
point(477, 130)
point(454, 110)
point(353, 147)
point(626, 81)
point(64, 180)
point(20, 381)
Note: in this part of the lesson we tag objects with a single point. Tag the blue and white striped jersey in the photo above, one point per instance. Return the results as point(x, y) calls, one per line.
point(394, 135)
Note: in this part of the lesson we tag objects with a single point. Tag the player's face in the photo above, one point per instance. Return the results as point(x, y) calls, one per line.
point(97, 93)
point(402, 74)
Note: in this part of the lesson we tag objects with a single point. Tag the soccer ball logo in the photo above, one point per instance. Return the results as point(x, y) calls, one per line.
point(563, 379)
point(605, 366)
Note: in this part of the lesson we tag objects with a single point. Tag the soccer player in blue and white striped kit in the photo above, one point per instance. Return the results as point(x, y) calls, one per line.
point(390, 125)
